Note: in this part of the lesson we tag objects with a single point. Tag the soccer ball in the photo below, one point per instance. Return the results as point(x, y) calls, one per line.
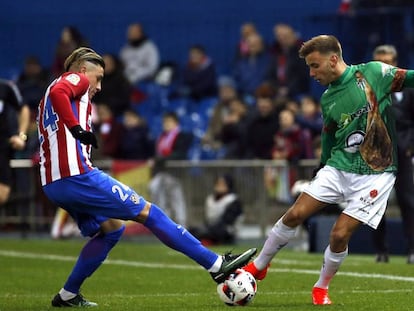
point(238, 289)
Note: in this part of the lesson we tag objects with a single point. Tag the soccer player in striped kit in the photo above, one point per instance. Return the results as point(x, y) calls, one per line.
point(96, 201)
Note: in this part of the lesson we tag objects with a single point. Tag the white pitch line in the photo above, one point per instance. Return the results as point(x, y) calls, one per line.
point(117, 262)
point(198, 294)
point(24, 255)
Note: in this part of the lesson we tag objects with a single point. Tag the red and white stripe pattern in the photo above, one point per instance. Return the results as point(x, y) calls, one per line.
point(61, 155)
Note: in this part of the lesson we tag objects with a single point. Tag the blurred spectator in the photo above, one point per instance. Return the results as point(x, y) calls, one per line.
point(63, 226)
point(288, 72)
point(110, 131)
point(167, 191)
point(226, 93)
point(14, 122)
point(139, 55)
point(199, 75)
point(263, 125)
point(223, 213)
point(233, 133)
point(116, 90)
point(246, 30)
point(135, 141)
point(310, 116)
point(71, 38)
point(345, 6)
point(290, 141)
point(403, 108)
point(251, 70)
point(173, 143)
point(33, 82)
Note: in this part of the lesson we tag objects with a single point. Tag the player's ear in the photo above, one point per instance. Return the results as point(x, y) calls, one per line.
point(82, 68)
point(333, 60)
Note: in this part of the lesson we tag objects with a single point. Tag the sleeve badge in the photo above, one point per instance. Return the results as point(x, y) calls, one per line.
point(73, 78)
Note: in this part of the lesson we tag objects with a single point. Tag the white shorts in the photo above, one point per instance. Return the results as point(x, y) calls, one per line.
point(365, 196)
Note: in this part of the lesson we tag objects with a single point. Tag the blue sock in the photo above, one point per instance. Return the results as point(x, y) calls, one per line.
point(91, 257)
point(178, 238)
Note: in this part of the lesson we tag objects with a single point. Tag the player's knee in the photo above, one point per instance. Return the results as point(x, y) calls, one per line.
point(293, 218)
point(114, 236)
point(339, 240)
point(144, 214)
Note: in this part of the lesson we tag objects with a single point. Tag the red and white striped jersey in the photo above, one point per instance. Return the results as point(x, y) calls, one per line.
point(65, 104)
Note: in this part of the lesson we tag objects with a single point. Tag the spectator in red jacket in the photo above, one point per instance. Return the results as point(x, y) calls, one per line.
point(173, 143)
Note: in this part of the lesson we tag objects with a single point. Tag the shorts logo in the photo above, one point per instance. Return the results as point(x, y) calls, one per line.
point(373, 193)
point(134, 198)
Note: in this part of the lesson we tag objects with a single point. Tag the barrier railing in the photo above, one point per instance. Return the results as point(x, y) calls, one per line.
point(263, 187)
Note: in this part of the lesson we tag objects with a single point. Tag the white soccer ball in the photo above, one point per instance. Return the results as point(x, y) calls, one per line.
point(238, 289)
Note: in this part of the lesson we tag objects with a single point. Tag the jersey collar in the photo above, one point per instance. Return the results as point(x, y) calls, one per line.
point(343, 77)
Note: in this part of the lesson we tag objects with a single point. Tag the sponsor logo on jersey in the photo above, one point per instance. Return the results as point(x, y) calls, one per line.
point(73, 78)
point(353, 141)
point(346, 118)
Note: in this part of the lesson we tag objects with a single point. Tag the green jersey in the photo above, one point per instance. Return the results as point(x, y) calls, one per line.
point(359, 126)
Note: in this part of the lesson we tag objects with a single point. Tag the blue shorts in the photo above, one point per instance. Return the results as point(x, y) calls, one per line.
point(94, 197)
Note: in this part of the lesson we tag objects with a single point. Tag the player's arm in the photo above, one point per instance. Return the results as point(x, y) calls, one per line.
point(18, 141)
point(60, 96)
point(327, 142)
point(409, 78)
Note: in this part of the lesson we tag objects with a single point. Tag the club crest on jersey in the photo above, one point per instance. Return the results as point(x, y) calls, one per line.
point(353, 141)
point(361, 83)
point(73, 78)
point(134, 198)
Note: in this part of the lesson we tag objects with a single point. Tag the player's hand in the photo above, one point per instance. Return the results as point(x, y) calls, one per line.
point(85, 137)
point(17, 143)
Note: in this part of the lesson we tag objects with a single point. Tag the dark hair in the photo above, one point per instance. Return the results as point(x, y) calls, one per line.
point(76, 35)
point(265, 90)
point(228, 179)
point(170, 114)
point(323, 44)
point(199, 48)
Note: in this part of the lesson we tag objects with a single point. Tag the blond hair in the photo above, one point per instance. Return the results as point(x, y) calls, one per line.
point(81, 55)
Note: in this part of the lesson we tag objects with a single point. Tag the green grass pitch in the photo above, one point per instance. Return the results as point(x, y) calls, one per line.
point(150, 276)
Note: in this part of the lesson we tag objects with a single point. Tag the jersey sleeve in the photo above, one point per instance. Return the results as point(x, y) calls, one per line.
point(409, 78)
point(393, 79)
point(328, 132)
point(327, 141)
point(68, 88)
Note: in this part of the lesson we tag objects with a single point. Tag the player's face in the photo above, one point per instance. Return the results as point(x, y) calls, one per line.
point(386, 58)
point(322, 67)
point(95, 74)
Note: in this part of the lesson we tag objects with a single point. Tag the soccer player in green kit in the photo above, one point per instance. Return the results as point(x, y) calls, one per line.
point(358, 161)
